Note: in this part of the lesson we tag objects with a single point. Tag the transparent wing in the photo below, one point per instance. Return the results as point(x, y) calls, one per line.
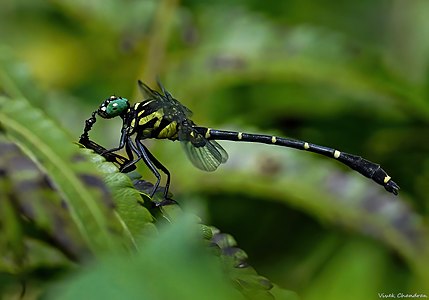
point(207, 157)
point(173, 109)
point(146, 91)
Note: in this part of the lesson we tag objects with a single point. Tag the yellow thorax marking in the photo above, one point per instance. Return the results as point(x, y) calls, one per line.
point(169, 131)
point(155, 115)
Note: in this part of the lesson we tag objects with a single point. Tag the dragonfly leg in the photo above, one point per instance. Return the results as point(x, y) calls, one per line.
point(160, 166)
point(143, 154)
point(129, 148)
point(124, 138)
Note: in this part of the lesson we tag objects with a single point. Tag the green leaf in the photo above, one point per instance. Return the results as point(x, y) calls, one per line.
point(175, 265)
point(234, 261)
point(30, 201)
point(136, 220)
point(47, 144)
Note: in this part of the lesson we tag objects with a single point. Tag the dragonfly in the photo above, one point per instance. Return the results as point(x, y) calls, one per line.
point(161, 116)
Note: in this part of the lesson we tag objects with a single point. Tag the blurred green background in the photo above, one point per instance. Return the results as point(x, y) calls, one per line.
point(352, 75)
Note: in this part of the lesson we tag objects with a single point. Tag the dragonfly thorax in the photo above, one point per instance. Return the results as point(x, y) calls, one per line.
point(150, 121)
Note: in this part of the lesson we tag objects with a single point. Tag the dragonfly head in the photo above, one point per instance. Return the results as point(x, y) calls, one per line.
point(112, 107)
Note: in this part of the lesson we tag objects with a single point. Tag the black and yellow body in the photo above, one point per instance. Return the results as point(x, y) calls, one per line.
point(147, 120)
point(357, 163)
point(160, 116)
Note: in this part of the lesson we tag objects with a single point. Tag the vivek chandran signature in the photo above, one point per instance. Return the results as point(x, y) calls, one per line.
point(401, 295)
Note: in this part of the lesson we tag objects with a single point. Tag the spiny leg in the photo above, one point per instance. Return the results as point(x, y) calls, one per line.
point(160, 166)
point(149, 160)
point(88, 126)
point(144, 155)
point(157, 163)
point(129, 166)
point(87, 143)
point(129, 148)
point(124, 138)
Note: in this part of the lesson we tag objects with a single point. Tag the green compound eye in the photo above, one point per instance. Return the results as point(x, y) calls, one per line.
point(112, 107)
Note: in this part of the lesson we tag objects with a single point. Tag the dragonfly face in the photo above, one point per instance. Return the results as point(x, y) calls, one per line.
point(112, 107)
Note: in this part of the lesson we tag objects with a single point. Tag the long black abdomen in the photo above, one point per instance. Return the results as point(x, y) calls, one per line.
point(357, 163)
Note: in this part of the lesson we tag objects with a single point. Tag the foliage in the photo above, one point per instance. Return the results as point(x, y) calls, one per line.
point(50, 205)
point(351, 75)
